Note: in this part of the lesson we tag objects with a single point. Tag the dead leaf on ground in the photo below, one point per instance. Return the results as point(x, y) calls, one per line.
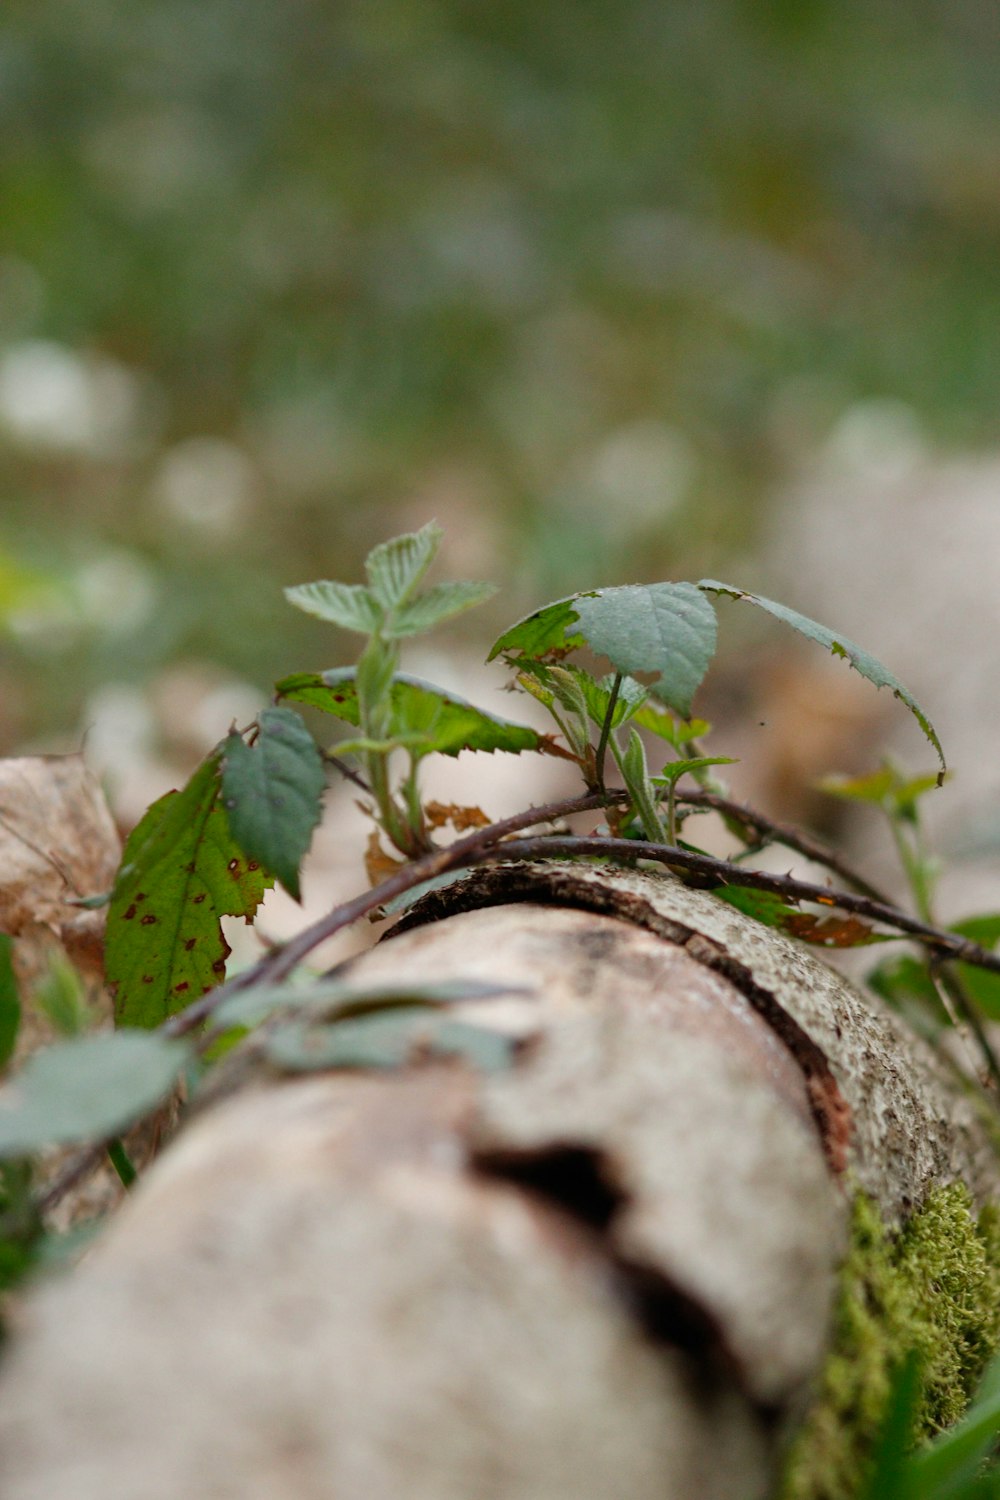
point(58, 841)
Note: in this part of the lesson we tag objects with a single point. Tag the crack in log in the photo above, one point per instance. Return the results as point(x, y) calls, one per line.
point(580, 1182)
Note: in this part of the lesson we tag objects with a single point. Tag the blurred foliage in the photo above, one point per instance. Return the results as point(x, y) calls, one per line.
point(582, 281)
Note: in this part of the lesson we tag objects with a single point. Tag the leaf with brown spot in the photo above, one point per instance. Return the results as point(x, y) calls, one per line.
point(182, 864)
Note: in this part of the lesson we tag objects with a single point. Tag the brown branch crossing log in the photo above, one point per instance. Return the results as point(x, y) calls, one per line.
point(604, 1271)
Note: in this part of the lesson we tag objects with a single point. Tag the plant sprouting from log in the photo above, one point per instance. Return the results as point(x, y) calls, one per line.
point(246, 817)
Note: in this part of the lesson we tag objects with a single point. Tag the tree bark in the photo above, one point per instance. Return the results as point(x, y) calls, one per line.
point(607, 1270)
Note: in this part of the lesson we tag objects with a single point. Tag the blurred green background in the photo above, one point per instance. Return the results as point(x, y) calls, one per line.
point(588, 282)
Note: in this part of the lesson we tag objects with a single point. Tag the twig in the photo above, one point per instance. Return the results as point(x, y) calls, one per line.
point(463, 853)
point(495, 844)
point(348, 772)
point(960, 1001)
point(722, 872)
point(792, 838)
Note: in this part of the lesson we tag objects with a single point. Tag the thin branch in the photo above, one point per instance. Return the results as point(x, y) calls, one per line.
point(956, 993)
point(791, 838)
point(602, 744)
point(348, 772)
point(463, 853)
point(722, 872)
point(497, 843)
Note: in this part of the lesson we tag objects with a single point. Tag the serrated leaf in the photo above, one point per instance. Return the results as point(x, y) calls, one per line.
point(449, 722)
point(10, 1002)
point(396, 567)
point(668, 629)
point(544, 631)
point(272, 792)
point(349, 605)
point(436, 605)
point(181, 872)
point(839, 645)
point(87, 1089)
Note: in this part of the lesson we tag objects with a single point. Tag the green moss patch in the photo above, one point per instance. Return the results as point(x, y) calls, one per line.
point(933, 1287)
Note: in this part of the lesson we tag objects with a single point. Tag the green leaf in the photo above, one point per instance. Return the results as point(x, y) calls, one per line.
point(981, 985)
point(61, 997)
point(436, 605)
point(558, 684)
point(597, 694)
point(957, 1454)
point(668, 629)
point(181, 872)
point(386, 1040)
point(489, 1051)
point(677, 732)
point(272, 792)
point(582, 694)
point(839, 645)
point(86, 1089)
point(904, 981)
point(349, 605)
point(888, 788)
point(396, 567)
point(887, 1478)
point(873, 787)
point(449, 722)
point(339, 998)
point(822, 929)
point(763, 906)
point(675, 769)
point(635, 774)
point(541, 632)
point(376, 1041)
point(10, 1003)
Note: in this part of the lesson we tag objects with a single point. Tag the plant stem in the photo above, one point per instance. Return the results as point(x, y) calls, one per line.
point(672, 811)
point(602, 744)
point(966, 1009)
point(119, 1159)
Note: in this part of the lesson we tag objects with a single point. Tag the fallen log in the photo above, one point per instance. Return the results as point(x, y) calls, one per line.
point(606, 1269)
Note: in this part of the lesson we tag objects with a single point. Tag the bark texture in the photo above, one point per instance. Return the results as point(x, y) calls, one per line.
point(607, 1270)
